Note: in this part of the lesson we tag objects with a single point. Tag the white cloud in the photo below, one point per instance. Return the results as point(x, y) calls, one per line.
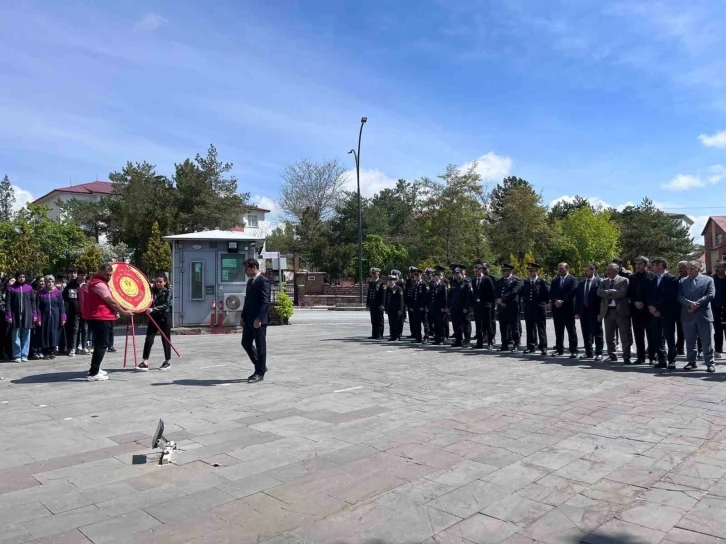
point(596, 201)
point(22, 197)
point(490, 166)
point(371, 182)
point(714, 140)
point(699, 221)
point(272, 219)
point(151, 21)
point(684, 182)
point(716, 173)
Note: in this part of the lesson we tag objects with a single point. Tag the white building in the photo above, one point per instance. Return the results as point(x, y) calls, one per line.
point(85, 191)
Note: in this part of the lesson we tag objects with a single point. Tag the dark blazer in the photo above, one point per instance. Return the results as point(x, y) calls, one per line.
point(257, 301)
point(484, 293)
point(664, 296)
point(509, 289)
point(535, 293)
point(593, 300)
point(564, 292)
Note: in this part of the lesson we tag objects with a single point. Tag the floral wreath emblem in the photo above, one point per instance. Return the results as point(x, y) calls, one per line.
point(130, 288)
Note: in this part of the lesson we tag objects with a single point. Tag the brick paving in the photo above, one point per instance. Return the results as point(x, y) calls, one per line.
point(354, 441)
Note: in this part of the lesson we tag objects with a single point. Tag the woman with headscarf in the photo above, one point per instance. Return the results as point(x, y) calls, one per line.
point(52, 316)
point(160, 311)
point(36, 339)
point(20, 314)
point(6, 329)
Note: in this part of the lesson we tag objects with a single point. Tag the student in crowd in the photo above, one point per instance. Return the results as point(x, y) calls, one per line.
point(160, 312)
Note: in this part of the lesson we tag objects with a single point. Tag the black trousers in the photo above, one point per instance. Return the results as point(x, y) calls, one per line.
point(564, 318)
point(641, 331)
point(395, 324)
point(164, 322)
point(436, 318)
point(509, 325)
point(254, 342)
point(489, 324)
point(457, 322)
point(6, 339)
point(467, 326)
point(479, 324)
point(376, 322)
point(420, 321)
point(73, 324)
point(410, 322)
point(591, 331)
point(101, 336)
point(662, 334)
point(719, 316)
point(535, 322)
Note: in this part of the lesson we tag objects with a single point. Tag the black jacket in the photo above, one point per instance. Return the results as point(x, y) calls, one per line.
point(70, 297)
point(638, 286)
point(375, 294)
point(420, 296)
point(535, 293)
point(483, 290)
point(564, 290)
point(719, 301)
point(593, 301)
point(394, 302)
point(509, 290)
point(163, 300)
point(257, 301)
point(460, 295)
point(664, 296)
point(438, 296)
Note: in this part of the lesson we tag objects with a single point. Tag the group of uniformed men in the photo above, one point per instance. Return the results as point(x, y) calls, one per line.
point(623, 299)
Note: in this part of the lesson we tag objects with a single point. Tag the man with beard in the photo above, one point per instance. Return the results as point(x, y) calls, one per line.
point(507, 301)
point(483, 290)
point(638, 286)
point(535, 295)
point(587, 308)
point(562, 295)
point(459, 304)
point(662, 300)
point(438, 306)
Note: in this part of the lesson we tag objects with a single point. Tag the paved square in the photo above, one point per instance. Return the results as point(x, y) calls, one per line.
point(353, 441)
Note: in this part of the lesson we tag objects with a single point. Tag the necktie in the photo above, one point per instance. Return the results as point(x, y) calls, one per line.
point(587, 291)
point(612, 284)
point(657, 284)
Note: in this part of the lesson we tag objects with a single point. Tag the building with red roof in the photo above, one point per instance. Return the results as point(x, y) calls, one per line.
point(714, 240)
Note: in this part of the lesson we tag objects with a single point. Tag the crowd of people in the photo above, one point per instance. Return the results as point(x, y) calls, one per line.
point(666, 316)
point(72, 315)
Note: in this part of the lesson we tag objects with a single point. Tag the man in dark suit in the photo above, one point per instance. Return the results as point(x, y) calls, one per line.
point(459, 304)
point(483, 304)
point(375, 303)
point(662, 301)
point(562, 295)
point(255, 315)
point(535, 296)
point(587, 308)
point(638, 286)
point(508, 290)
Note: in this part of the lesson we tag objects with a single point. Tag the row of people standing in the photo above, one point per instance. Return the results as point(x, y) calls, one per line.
point(648, 304)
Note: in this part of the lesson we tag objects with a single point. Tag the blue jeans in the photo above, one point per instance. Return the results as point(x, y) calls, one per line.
point(21, 343)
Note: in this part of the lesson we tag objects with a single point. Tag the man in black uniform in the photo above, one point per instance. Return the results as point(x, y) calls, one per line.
point(535, 295)
point(507, 301)
point(395, 307)
point(587, 310)
point(490, 313)
point(408, 298)
point(483, 290)
point(374, 303)
point(459, 304)
point(420, 303)
point(466, 324)
point(562, 295)
point(438, 305)
point(638, 287)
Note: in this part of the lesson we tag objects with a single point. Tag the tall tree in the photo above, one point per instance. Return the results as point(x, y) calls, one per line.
point(563, 208)
point(646, 230)
point(157, 257)
point(7, 199)
point(207, 196)
point(385, 256)
point(91, 258)
point(312, 188)
point(517, 221)
point(94, 217)
point(142, 197)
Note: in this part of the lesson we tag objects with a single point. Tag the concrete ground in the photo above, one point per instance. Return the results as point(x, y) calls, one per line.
point(354, 441)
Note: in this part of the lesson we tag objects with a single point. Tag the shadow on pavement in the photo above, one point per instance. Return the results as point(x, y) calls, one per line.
point(202, 383)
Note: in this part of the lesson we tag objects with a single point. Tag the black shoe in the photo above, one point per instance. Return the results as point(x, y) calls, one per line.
point(478, 346)
point(46, 357)
point(52, 355)
point(166, 365)
point(556, 354)
point(586, 356)
point(598, 357)
point(661, 365)
point(627, 362)
point(671, 366)
point(437, 343)
point(680, 352)
point(690, 366)
point(457, 345)
point(613, 358)
point(143, 367)
point(256, 378)
point(528, 351)
point(514, 349)
point(392, 339)
point(639, 361)
point(252, 376)
point(710, 368)
point(573, 355)
point(112, 349)
point(543, 352)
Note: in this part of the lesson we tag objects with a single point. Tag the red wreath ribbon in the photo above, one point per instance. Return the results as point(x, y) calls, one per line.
point(130, 288)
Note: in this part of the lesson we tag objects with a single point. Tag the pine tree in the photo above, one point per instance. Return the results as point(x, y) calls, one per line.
point(7, 199)
point(157, 257)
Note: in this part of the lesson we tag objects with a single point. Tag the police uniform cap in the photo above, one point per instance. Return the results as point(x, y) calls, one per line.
point(414, 269)
point(436, 273)
point(457, 270)
point(393, 277)
point(479, 266)
point(534, 265)
point(429, 270)
point(411, 268)
point(507, 266)
point(395, 272)
point(375, 269)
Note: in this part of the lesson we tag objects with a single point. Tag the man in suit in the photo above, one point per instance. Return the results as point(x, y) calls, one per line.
point(562, 295)
point(438, 305)
point(695, 294)
point(662, 302)
point(490, 318)
point(408, 298)
point(394, 308)
point(638, 286)
point(718, 306)
point(459, 304)
point(483, 304)
point(420, 301)
point(587, 309)
point(507, 301)
point(615, 311)
point(535, 296)
point(255, 315)
point(680, 338)
point(375, 303)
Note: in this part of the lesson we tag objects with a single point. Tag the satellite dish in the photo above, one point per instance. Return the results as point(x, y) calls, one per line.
point(159, 441)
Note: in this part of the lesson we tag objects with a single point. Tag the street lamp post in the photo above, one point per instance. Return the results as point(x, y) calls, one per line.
point(360, 216)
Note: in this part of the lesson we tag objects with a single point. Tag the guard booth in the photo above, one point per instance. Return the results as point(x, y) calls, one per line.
point(308, 283)
point(207, 272)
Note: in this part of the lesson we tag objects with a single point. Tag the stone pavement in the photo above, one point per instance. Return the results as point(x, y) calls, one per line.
point(354, 441)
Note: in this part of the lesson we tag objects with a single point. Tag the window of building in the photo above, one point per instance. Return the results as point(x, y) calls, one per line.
point(252, 221)
point(232, 268)
point(719, 238)
point(197, 279)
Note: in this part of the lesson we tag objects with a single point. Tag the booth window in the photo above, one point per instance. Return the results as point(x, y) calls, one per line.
point(197, 290)
point(252, 221)
point(233, 270)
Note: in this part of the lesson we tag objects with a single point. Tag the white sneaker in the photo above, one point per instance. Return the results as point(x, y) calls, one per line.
point(103, 372)
point(97, 378)
point(18, 360)
point(718, 355)
point(24, 360)
point(72, 353)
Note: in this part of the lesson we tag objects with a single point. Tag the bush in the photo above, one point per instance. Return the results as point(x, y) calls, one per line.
point(283, 305)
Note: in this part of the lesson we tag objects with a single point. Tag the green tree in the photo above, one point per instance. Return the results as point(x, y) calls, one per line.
point(142, 198)
point(648, 231)
point(281, 238)
point(7, 199)
point(517, 221)
point(94, 217)
point(91, 258)
point(206, 195)
point(585, 236)
point(563, 208)
point(377, 253)
point(157, 257)
point(116, 253)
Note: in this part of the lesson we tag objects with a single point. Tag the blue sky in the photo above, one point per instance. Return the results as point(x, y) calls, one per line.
point(611, 100)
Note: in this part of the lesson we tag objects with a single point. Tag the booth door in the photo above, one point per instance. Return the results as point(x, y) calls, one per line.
point(200, 288)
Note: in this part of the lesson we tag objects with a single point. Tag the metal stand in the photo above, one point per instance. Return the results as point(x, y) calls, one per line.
point(167, 446)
